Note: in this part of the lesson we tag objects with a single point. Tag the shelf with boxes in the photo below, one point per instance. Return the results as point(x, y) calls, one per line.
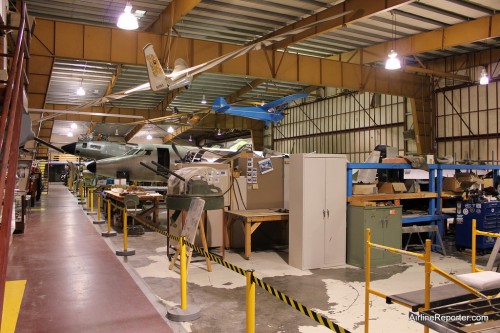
point(435, 192)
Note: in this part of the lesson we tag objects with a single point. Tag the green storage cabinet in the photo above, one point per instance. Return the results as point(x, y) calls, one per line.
point(385, 224)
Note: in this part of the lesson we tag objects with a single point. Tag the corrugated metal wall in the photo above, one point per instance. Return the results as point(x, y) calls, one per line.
point(468, 120)
point(350, 123)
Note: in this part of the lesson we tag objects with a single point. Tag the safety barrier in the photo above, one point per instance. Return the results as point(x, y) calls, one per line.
point(476, 233)
point(428, 269)
point(90, 199)
point(252, 281)
point(98, 219)
point(126, 251)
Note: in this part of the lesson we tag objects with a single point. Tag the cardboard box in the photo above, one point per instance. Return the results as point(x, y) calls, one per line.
point(466, 180)
point(451, 184)
point(487, 182)
point(390, 188)
point(364, 189)
point(395, 160)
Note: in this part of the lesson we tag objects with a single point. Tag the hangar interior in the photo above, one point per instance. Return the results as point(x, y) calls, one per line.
point(319, 135)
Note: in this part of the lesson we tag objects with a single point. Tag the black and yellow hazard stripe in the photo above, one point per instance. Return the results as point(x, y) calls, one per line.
point(287, 300)
point(216, 258)
point(299, 307)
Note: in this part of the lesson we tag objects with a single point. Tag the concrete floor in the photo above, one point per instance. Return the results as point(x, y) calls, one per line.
point(337, 293)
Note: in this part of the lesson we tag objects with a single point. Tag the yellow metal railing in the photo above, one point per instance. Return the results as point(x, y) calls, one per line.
point(429, 268)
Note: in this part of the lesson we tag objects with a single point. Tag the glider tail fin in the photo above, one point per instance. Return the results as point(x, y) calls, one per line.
point(155, 71)
point(220, 105)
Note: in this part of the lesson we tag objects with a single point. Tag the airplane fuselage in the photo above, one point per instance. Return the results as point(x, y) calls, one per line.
point(97, 150)
point(128, 165)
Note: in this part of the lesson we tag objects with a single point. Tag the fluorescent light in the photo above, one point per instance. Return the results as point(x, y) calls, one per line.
point(127, 20)
point(80, 91)
point(149, 137)
point(484, 79)
point(170, 129)
point(392, 62)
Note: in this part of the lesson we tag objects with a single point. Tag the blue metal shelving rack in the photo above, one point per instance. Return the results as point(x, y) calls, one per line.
point(434, 214)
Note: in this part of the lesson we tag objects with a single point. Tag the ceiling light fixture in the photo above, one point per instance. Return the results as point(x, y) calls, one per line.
point(70, 134)
point(116, 132)
point(80, 91)
point(393, 62)
point(203, 100)
point(149, 137)
point(484, 79)
point(127, 20)
point(190, 139)
point(218, 132)
point(73, 126)
point(170, 129)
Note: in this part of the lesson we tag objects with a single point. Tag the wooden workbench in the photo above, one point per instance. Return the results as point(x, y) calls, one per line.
point(153, 211)
point(251, 219)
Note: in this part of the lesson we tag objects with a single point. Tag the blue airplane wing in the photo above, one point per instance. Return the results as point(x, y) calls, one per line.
point(283, 100)
point(254, 112)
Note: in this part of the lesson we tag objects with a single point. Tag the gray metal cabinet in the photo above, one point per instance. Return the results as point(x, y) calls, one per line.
point(317, 226)
point(385, 225)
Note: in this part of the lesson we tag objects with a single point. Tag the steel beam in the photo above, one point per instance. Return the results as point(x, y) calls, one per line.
point(78, 41)
point(361, 9)
point(174, 12)
point(439, 39)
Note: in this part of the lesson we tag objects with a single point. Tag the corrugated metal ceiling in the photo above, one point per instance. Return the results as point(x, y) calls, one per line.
point(215, 20)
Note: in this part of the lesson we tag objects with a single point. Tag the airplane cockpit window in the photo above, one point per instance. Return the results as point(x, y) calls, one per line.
point(132, 152)
point(95, 147)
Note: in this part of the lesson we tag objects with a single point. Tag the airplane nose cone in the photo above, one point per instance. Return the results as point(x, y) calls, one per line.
point(92, 166)
point(69, 148)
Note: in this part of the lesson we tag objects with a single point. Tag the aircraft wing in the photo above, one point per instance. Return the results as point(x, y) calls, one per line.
point(192, 71)
point(252, 47)
point(283, 100)
point(254, 112)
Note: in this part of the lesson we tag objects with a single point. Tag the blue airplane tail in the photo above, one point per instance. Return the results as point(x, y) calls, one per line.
point(220, 104)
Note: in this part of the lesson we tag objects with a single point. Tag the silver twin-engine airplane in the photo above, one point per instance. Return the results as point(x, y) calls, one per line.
point(129, 163)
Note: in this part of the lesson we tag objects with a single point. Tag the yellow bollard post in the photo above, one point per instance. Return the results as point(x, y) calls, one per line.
point(92, 200)
point(183, 273)
point(109, 216)
point(474, 235)
point(99, 207)
point(182, 313)
point(126, 252)
point(125, 230)
point(250, 301)
point(367, 279)
point(108, 233)
point(88, 198)
point(428, 270)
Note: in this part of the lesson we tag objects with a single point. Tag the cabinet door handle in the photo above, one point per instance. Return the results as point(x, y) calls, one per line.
point(324, 214)
point(328, 213)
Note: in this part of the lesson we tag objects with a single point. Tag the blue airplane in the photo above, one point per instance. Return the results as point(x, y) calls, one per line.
point(269, 112)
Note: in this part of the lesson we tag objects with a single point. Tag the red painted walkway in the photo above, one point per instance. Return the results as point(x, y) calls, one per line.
point(75, 283)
